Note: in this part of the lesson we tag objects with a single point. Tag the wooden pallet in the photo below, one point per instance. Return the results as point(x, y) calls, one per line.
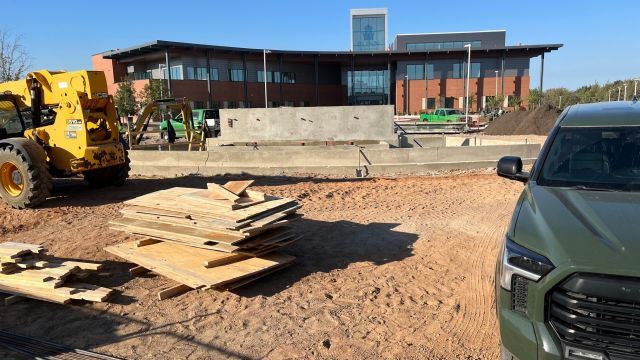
point(27, 271)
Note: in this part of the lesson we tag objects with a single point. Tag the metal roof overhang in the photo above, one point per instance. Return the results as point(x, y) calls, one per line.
point(161, 45)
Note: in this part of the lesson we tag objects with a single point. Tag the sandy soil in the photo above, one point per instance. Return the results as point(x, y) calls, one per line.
point(388, 268)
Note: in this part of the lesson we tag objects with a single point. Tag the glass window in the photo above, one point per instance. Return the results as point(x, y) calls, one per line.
point(196, 73)
point(457, 71)
point(10, 123)
point(368, 82)
point(458, 44)
point(415, 72)
point(236, 75)
point(430, 71)
point(447, 45)
point(476, 44)
point(594, 157)
point(289, 77)
point(368, 33)
point(176, 72)
point(214, 74)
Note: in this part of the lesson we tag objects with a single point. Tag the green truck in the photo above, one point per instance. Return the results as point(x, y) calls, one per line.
point(443, 115)
point(568, 275)
point(200, 116)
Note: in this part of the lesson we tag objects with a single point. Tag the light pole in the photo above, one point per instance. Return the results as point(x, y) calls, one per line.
point(496, 84)
point(264, 76)
point(635, 87)
point(406, 95)
point(625, 92)
point(610, 90)
point(619, 88)
point(466, 96)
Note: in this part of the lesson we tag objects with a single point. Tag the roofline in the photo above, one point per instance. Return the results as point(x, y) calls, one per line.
point(454, 32)
point(159, 45)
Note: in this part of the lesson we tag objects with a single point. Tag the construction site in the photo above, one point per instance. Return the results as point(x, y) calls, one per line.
point(294, 233)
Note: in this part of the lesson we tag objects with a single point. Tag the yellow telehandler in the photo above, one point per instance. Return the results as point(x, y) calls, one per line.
point(57, 123)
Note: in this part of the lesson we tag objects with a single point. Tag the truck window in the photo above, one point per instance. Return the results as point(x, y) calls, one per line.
point(10, 122)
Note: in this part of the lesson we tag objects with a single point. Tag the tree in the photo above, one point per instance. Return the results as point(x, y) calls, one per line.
point(125, 98)
point(514, 102)
point(534, 98)
point(495, 103)
point(14, 59)
point(154, 90)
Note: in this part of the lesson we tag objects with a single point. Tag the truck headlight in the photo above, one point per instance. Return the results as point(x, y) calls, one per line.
point(518, 260)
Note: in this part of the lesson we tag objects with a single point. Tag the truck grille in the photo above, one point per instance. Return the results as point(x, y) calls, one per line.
point(598, 312)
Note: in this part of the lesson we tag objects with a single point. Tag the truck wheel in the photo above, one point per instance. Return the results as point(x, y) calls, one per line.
point(113, 175)
point(24, 182)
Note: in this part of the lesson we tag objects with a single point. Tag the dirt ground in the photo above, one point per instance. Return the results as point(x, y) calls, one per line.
point(388, 268)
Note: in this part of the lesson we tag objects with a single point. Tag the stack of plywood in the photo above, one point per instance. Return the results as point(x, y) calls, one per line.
point(27, 271)
point(221, 237)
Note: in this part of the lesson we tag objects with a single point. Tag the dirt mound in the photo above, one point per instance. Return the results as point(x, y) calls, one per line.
point(523, 122)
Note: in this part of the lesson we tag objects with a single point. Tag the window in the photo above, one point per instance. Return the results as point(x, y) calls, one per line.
point(236, 75)
point(141, 75)
point(594, 157)
point(176, 73)
point(415, 72)
point(289, 104)
point(368, 32)
point(272, 76)
point(214, 74)
point(197, 73)
point(289, 77)
point(457, 71)
point(443, 45)
point(368, 82)
point(460, 70)
point(430, 71)
point(431, 103)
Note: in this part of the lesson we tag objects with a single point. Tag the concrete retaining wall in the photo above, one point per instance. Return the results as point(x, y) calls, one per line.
point(343, 161)
point(334, 123)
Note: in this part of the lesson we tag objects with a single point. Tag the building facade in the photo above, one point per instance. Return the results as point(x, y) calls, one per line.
point(418, 72)
point(369, 29)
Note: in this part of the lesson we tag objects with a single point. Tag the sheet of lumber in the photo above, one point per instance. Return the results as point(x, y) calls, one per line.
point(224, 260)
point(173, 214)
point(9, 245)
point(256, 195)
point(265, 237)
point(138, 270)
point(83, 265)
point(166, 200)
point(184, 263)
point(237, 187)
point(216, 191)
point(178, 232)
point(196, 224)
point(34, 293)
point(252, 231)
point(173, 291)
point(204, 196)
point(218, 247)
point(249, 279)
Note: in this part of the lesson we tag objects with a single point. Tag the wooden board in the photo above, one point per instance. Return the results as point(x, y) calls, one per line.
point(217, 191)
point(237, 187)
point(184, 263)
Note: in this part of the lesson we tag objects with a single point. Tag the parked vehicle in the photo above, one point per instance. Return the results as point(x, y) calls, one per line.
point(200, 116)
point(443, 115)
point(568, 275)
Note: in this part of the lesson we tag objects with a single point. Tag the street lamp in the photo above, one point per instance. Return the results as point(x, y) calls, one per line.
point(619, 88)
point(466, 105)
point(264, 76)
point(625, 92)
point(406, 95)
point(496, 84)
point(635, 87)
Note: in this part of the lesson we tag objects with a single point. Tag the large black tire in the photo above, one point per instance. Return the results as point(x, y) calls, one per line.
point(112, 175)
point(25, 181)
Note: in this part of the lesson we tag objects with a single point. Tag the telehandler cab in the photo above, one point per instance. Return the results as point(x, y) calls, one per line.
point(57, 123)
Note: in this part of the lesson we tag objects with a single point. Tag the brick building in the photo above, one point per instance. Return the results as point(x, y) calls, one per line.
point(418, 71)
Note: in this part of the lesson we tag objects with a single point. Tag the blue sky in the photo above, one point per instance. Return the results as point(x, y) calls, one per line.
point(600, 37)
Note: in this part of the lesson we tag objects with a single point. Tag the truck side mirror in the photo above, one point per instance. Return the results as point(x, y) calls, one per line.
point(510, 167)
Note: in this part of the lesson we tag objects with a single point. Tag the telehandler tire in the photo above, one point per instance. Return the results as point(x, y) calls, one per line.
point(110, 176)
point(25, 181)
